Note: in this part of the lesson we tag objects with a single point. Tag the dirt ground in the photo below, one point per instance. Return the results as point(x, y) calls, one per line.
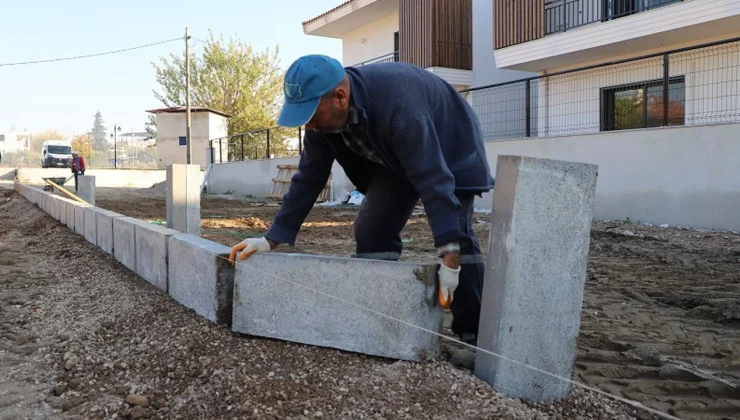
point(80, 333)
point(82, 337)
point(661, 314)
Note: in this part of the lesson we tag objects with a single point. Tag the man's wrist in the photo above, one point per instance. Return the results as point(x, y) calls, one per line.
point(450, 254)
point(272, 243)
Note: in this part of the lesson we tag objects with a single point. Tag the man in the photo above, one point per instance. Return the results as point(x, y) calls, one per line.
point(401, 133)
point(78, 166)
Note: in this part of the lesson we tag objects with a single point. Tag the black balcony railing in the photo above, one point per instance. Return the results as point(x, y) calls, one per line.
point(257, 144)
point(387, 58)
point(563, 15)
point(698, 85)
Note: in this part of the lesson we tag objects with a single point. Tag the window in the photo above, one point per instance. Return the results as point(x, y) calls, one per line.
point(183, 140)
point(640, 105)
point(59, 150)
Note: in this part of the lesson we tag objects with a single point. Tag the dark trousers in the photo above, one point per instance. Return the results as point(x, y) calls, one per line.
point(388, 204)
point(77, 173)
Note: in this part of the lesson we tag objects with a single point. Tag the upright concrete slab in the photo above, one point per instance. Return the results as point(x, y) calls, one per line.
point(104, 229)
point(54, 206)
point(201, 277)
point(183, 198)
point(86, 188)
point(80, 218)
point(70, 208)
point(151, 253)
point(61, 209)
point(535, 275)
point(90, 220)
point(124, 241)
point(269, 301)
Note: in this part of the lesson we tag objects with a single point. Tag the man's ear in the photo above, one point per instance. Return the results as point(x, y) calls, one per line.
point(341, 94)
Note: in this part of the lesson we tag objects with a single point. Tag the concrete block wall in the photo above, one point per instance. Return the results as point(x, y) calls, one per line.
point(201, 279)
point(196, 273)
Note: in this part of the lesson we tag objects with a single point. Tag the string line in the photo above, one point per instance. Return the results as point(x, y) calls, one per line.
point(632, 403)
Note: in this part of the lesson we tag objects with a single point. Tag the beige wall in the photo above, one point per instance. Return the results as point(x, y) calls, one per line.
point(378, 41)
point(685, 176)
point(204, 126)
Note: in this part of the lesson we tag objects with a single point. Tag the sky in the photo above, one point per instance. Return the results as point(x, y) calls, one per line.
point(65, 95)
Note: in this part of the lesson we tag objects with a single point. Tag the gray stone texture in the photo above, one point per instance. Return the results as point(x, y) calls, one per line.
point(124, 241)
point(70, 206)
point(269, 303)
point(104, 229)
point(535, 275)
point(183, 198)
point(61, 210)
point(151, 253)
point(90, 220)
point(53, 202)
point(86, 188)
point(201, 277)
point(80, 218)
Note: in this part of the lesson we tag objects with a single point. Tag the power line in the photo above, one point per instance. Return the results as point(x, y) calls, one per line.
point(89, 55)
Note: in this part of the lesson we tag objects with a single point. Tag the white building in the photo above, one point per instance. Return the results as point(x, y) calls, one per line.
point(702, 83)
point(14, 141)
point(434, 35)
point(584, 80)
point(451, 38)
point(206, 124)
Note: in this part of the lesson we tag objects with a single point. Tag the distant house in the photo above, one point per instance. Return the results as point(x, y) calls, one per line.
point(206, 124)
point(14, 141)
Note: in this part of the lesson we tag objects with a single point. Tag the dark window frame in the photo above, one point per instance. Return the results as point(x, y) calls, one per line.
point(607, 103)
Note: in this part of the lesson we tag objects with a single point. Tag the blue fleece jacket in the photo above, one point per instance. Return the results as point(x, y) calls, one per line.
point(420, 127)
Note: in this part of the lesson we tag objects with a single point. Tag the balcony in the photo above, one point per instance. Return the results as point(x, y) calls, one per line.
point(433, 34)
point(538, 35)
point(564, 15)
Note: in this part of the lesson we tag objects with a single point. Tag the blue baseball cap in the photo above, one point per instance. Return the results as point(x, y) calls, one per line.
point(308, 79)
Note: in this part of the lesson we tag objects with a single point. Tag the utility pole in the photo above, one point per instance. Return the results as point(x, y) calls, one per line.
point(187, 96)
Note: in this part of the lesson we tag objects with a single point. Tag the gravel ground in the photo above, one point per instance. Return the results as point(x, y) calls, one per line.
point(83, 337)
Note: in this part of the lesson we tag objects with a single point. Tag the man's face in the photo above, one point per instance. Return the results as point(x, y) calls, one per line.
point(331, 115)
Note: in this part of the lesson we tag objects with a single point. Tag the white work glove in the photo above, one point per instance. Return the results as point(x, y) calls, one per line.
point(249, 247)
point(448, 281)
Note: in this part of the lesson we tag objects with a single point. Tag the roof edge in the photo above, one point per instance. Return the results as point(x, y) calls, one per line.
point(179, 109)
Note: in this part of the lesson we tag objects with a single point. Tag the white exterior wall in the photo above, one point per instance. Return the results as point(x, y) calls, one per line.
point(571, 103)
point(662, 27)
point(170, 126)
point(683, 176)
point(15, 141)
point(369, 41)
point(254, 177)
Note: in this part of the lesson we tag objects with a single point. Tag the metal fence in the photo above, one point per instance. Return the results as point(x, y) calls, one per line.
point(563, 15)
point(265, 143)
point(688, 86)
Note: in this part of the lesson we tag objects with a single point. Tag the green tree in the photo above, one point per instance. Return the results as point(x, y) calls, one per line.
point(151, 126)
point(230, 77)
point(81, 144)
point(100, 139)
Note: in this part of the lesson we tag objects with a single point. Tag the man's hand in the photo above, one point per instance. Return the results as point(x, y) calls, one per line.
point(449, 272)
point(249, 247)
